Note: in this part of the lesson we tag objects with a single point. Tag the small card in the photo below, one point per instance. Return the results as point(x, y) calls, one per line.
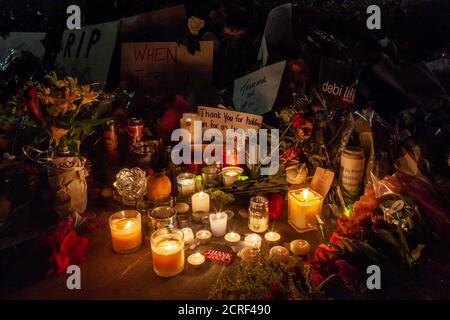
point(322, 180)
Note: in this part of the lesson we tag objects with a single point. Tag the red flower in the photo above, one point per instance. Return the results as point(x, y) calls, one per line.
point(276, 203)
point(297, 121)
point(32, 106)
point(325, 253)
point(72, 251)
point(289, 154)
point(171, 118)
point(346, 271)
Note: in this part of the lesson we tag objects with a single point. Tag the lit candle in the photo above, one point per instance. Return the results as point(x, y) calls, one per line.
point(231, 174)
point(232, 237)
point(279, 254)
point(196, 259)
point(167, 252)
point(249, 254)
point(300, 247)
point(272, 237)
point(303, 207)
point(253, 240)
point(186, 184)
point(188, 235)
point(218, 223)
point(126, 230)
point(200, 202)
point(203, 235)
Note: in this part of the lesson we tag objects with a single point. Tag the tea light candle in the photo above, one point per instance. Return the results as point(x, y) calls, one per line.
point(167, 251)
point(303, 207)
point(279, 254)
point(300, 247)
point(126, 231)
point(218, 223)
point(272, 237)
point(200, 202)
point(253, 240)
point(203, 235)
point(186, 184)
point(249, 254)
point(230, 175)
point(196, 259)
point(188, 235)
point(232, 237)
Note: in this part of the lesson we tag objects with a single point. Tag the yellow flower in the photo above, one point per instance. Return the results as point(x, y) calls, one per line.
point(57, 134)
point(233, 32)
point(195, 25)
point(51, 77)
point(305, 130)
point(44, 95)
point(71, 82)
point(88, 95)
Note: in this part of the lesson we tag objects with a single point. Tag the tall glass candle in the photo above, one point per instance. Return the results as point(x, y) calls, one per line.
point(303, 207)
point(200, 202)
point(167, 252)
point(186, 184)
point(126, 230)
point(258, 214)
point(218, 224)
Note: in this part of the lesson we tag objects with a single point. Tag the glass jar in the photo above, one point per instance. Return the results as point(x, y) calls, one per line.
point(258, 214)
point(211, 176)
point(167, 251)
point(186, 184)
point(162, 217)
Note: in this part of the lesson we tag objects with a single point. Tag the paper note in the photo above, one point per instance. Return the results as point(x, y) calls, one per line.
point(165, 64)
point(257, 91)
point(322, 180)
point(224, 119)
point(87, 53)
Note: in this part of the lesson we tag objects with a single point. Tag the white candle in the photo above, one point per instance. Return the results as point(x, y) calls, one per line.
point(200, 202)
point(232, 237)
point(253, 240)
point(279, 254)
point(196, 259)
point(203, 235)
point(300, 247)
point(218, 223)
point(272, 236)
point(188, 235)
point(186, 184)
point(230, 175)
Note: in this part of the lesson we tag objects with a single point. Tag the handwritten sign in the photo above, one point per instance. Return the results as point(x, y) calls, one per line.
point(87, 52)
point(257, 91)
point(165, 64)
point(223, 119)
point(22, 41)
point(322, 180)
point(159, 25)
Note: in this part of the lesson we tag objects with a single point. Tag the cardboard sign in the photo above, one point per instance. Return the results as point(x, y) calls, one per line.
point(165, 64)
point(224, 119)
point(257, 91)
point(87, 53)
point(22, 41)
point(161, 25)
point(322, 180)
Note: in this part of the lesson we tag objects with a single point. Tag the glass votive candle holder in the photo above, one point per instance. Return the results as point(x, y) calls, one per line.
point(186, 184)
point(167, 246)
point(230, 175)
point(183, 220)
point(126, 231)
point(167, 201)
point(218, 223)
point(162, 217)
point(211, 176)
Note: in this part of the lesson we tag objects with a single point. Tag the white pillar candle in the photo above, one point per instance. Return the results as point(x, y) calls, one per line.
point(200, 202)
point(253, 240)
point(218, 223)
point(188, 235)
point(232, 237)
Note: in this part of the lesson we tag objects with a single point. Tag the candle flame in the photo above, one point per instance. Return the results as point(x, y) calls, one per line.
point(128, 225)
point(305, 194)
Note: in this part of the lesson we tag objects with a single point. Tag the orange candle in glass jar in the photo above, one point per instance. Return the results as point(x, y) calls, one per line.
point(126, 231)
point(167, 252)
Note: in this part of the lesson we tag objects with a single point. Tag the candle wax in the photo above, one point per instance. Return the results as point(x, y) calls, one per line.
point(126, 234)
point(168, 257)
